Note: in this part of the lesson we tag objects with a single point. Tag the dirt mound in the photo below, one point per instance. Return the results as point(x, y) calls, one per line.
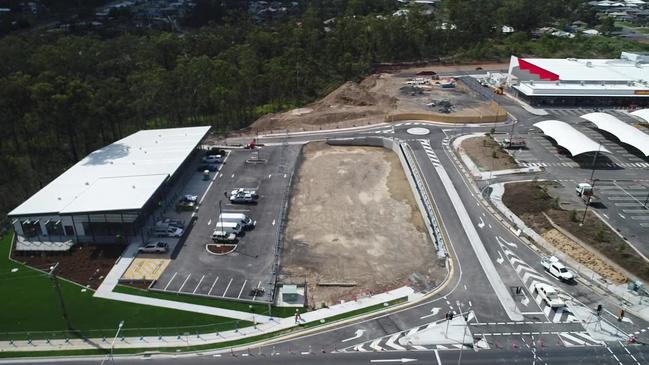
point(350, 101)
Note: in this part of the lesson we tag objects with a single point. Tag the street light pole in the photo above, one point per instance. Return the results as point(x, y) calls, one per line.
point(57, 289)
point(112, 345)
point(466, 325)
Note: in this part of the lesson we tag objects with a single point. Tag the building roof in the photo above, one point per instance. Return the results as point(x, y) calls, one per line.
point(572, 69)
point(121, 176)
point(642, 114)
point(569, 138)
point(624, 132)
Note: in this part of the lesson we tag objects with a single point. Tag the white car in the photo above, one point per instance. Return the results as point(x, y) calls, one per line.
point(212, 159)
point(550, 295)
point(224, 237)
point(154, 247)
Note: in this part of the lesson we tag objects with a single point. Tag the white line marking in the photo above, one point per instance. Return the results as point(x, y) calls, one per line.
point(184, 282)
point(172, 279)
point(212, 287)
point(199, 284)
point(209, 222)
point(227, 287)
point(273, 222)
point(242, 286)
point(439, 361)
point(232, 177)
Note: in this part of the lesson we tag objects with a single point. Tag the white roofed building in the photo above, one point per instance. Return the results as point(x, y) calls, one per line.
point(548, 82)
point(111, 191)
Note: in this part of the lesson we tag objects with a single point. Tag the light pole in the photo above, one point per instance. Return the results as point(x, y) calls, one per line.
point(466, 325)
point(112, 345)
point(57, 288)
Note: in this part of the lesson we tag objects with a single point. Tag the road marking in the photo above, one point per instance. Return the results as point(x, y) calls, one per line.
point(209, 222)
point(481, 224)
point(258, 285)
point(285, 176)
point(464, 286)
point(621, 216)
point(605, 216)
point(403, 360)
point(232, 177)
point(212, 287)
point(184, 282)
point(227, 287)
point(500, 258)
point(199, 284)
point(172, 279)
point(273, 222)
point(439, 361)
point(470, 304)
point(433, 311)
point(269, 175)
point(242, 286)
point(357, 334)
point(221, 175)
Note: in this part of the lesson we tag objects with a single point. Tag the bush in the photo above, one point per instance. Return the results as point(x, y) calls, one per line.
point(601, 236)
point(494, 154)
point(573, 215)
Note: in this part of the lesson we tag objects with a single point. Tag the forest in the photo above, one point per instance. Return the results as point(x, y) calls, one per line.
point(65, 95)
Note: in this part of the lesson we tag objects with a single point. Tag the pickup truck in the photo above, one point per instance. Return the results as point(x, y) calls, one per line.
point(557, 269)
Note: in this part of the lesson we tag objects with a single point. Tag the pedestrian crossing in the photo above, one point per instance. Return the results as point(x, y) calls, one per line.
point(530, 278)
point(574, 339)
point(432, 156)
point(576, 113)
point(409, 123)
point(629, 165)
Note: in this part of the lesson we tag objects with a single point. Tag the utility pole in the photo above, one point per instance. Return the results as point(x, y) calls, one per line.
point(466, 325)
point(112, 345)
point(57, 289)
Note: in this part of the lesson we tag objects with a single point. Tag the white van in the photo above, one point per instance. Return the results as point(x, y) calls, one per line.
point(240, 218)
point(229, 227)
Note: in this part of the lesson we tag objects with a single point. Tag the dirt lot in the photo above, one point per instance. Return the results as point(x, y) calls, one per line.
point(86, 265)
point(353, 219)
point(530, 200)
point(487, 154)
point(368, 102)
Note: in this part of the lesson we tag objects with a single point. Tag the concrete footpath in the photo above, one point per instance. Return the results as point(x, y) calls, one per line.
point(265, 325)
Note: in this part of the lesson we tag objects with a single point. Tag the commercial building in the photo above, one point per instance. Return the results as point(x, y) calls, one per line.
point(571, 82)
point(107, 196)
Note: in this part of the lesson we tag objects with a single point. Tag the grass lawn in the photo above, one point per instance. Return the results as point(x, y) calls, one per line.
point(30, 304)
point(211, 302)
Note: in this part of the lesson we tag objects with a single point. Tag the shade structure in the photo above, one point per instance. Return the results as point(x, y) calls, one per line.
point(623, 131)
point(569, 138)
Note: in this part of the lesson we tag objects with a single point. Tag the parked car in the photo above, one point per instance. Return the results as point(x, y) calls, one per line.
point(215, 151)
point(169, 222)
point(207, 166)
point(212, 159)
point(154, 247)
point(170, 231)
point(550, 295)
point(224, 237)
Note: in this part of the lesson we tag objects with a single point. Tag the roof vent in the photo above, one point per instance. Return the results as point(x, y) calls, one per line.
point(133, 186)
point(59, 198)
point(133, 163)
point(87, 183)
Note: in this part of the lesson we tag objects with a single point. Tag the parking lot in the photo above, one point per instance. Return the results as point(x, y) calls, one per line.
point(626, 199)
point(195, 271)
point(543, 151)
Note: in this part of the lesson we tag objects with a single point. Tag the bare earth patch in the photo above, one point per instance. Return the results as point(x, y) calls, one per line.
point(353, 219)
point(487, 154)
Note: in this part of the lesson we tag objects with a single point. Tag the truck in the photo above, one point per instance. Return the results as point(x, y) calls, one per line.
point(585, 192)
point(240, 218)
point(557, 269)
point(513, 143)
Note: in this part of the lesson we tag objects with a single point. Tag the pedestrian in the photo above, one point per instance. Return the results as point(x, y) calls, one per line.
point(226, 194)
point(621, 316)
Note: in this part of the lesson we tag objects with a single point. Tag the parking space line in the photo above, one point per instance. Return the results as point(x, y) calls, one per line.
point(212, 287)
point(255, 296)
point(184, 282)
point(199, 284)
point(227, 287)
point(172, 279)
point(242, 286)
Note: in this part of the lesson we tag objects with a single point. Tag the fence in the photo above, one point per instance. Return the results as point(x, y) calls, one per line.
point(498, 114)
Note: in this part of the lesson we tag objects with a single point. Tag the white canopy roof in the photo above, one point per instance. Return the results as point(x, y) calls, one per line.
point(624, 132)
point(120, 176)
point(642, 114)
point(569, 138)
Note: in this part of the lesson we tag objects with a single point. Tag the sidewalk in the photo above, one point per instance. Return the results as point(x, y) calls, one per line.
point(269, 326)
point(485, 175)
point(527, 107)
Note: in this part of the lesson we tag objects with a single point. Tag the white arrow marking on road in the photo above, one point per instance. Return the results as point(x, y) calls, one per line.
point(623, 217)
point(433, 312)
point(510, 244)
point(357, 334)
point(525, 301)
point(500, 258)
point(481, 224)
point(273, 222)
point(390, 343)
point(403, 360)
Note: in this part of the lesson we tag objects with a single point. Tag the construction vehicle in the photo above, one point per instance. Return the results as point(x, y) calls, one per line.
point(251, 146)
point(585, 192)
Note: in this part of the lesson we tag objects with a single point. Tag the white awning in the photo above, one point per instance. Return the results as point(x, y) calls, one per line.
point(569, 138)
point(642, 114)
point(623, 131)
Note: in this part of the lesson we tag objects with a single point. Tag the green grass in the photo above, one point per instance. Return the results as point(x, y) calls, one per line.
point(30, 308)
point(211, 302)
